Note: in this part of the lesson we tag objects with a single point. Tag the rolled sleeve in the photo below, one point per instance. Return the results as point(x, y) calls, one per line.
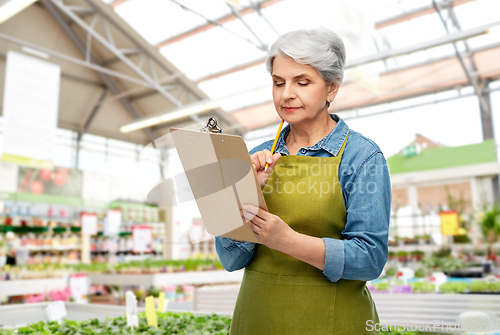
point(334, 259)
point(234, 255)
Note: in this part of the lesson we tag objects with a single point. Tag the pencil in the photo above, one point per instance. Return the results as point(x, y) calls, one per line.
point(274, 144)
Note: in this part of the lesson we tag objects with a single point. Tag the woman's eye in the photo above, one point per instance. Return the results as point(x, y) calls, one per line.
point(279, 84)
point(303, 84)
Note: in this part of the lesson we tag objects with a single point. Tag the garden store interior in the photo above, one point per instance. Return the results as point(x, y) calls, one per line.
point(89, 90)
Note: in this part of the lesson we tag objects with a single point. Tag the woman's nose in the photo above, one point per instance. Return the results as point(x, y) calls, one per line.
point(288, 93)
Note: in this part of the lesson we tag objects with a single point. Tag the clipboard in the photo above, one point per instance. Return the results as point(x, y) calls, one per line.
point(220, 173)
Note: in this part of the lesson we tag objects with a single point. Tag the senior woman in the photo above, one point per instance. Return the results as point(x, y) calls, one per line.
point(328, 195)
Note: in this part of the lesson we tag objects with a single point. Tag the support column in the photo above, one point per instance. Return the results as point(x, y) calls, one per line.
point(413, 202)
point(168, 238)
point(486, 119)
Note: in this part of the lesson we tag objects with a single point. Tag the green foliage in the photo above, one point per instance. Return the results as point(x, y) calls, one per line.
point(423, 287)
point(444, 264)
point(168, 323)
point(442, 252)
point(482, 286)
point(454, 287)
point(147, 266)
point(490, 220)
point(391, 271)
point(384, 286)
point(420, 273)
point(397, 332)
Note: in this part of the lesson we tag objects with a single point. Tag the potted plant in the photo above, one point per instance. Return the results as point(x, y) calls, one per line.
point(402, 256)
point(490, 226)
point(417, 255)
point(391, 255)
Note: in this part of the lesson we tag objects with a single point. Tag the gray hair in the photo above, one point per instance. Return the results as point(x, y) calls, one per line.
point(320, 48)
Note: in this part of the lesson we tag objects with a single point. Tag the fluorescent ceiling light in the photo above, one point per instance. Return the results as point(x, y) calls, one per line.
point(9, 8)
point(191, 109)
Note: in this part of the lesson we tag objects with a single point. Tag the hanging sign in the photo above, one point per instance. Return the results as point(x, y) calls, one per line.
point(30, 108)
point(113, 222)
point(89, 223)
point(142, 237)
point(449, 223)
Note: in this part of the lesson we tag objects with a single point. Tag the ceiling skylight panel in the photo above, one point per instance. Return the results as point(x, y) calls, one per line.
point(210, 52)
point(237, 82)
point(441, 51)
point(190, 56)
point(291, 15)
point(248, 99)
point(477, 13)
point(157, 20)
point(384, 9)
point(413, 58)
point(239, 28)
point(263, 30)
point(492, 38)
point(410, 5)
point(211, 9)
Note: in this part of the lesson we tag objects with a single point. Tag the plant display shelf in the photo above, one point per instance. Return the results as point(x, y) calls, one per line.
point(13, 315)
point(16, 315)
point(162, 279)
point(31, 286)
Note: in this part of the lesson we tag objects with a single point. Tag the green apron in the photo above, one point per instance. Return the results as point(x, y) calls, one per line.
point(282, 295)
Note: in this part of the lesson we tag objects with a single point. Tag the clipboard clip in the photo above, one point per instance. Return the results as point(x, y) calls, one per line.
point(212, 126)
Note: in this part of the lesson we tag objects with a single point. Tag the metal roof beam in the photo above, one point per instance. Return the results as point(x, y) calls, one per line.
point(418, 12)
point(380, 56)
point(92, 115)
point(220, 21)
point(71, 76)
point(148, 51)
point(458, 36)
point(263, 46)
point(104, 77)
point(472, 79)
point(77, 61)
point(92, 33)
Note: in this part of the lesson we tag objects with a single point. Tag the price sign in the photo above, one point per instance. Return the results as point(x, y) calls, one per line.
point(132, 318)
point(438, 278)
point(113, 222)
point(405, 274)
point(79, 284)
point(449, 222)
point(150, 312)
point(142, 237)
point(162, 303)
point(89, 224)
point(56, 311)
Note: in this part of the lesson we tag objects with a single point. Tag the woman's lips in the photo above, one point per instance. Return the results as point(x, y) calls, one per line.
point(290, 109)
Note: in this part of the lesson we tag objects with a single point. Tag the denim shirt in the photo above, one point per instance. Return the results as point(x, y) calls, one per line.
point(364, 180)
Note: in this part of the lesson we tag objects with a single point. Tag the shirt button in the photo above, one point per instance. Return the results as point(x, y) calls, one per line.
point(303, 151)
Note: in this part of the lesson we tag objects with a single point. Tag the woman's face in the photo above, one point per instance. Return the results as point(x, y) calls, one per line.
point(299, 92)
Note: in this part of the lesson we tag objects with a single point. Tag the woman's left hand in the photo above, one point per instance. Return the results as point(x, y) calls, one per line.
point(269, 229)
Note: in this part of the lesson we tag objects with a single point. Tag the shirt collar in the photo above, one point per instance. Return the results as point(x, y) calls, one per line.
point(331, 142)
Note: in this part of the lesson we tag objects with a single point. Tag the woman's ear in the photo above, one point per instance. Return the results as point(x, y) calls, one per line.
point(333, 89)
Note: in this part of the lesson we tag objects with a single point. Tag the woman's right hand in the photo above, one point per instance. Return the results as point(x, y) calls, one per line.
point(259, 160)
